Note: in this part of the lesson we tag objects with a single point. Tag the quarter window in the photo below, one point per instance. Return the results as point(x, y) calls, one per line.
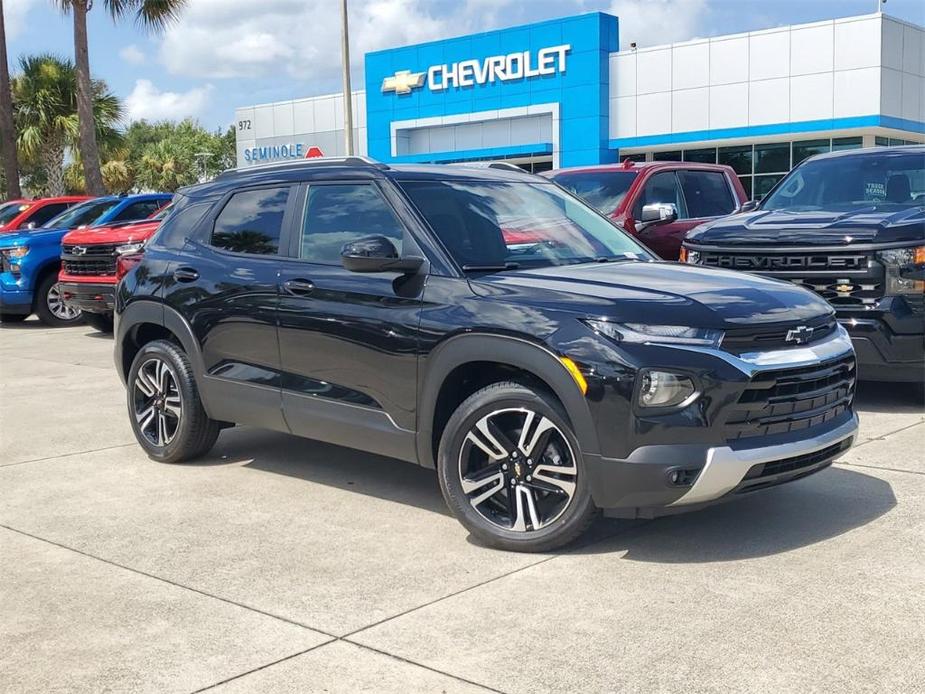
point(251, 221)
point(706, 193)
point(338, 214)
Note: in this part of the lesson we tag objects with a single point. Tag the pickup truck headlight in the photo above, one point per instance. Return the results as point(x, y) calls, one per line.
point(657, 334)
point(665, 389)
point(689, 256)
point(129, 248)
point(900, 262)
point(12, 257)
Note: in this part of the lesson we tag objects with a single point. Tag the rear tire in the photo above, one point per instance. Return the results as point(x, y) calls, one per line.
point(511, 470)
point(164, 406)
point(50, 306)
point(101, 322)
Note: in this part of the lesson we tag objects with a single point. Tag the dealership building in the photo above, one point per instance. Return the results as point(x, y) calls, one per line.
point(559, 93)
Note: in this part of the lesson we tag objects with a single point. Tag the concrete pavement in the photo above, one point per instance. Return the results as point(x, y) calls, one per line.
point(278, 564)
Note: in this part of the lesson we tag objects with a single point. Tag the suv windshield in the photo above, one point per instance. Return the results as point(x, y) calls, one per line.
point(10, 210)
point(81, 215)
point(493, 225)
point(603, 190)
point(843, 182)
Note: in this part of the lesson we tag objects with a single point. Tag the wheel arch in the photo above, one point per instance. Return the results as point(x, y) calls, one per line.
point(509, 355)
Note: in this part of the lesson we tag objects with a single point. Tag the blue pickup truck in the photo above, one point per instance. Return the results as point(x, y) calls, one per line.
point(30, 259)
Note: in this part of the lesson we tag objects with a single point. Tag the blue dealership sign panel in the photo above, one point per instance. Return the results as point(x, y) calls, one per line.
point(535, 89)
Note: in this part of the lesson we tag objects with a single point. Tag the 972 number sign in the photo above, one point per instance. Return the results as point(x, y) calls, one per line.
point(244, 125)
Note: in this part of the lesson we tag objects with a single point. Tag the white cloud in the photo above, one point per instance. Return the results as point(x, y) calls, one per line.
point(655, 22)
point(148, 102)
point(14, 16)
point(132, 54)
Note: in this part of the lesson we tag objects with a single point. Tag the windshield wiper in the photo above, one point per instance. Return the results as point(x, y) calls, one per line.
point(490, 268)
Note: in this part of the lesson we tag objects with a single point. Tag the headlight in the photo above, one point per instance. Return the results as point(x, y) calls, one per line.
point(664, 389)
point(692, 257)
point(128, 248)
point(900, 261)
point(658, 334)
point(15, 253)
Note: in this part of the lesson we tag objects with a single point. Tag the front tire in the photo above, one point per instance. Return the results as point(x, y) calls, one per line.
point(101, 322)
point(50, 306)
point(511, 471)
point(164, 407)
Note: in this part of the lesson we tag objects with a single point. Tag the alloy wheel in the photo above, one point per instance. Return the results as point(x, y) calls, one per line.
point(59, 309)
point(517, 469)
point(158, 406)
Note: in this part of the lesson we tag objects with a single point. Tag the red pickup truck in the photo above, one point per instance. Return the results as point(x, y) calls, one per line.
point(658, 202)
point(90, 265)
point(31, 214)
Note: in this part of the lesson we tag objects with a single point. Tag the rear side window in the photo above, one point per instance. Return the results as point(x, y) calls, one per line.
point(43, 214)
point(252, 221)
point(338, 214)
point(707, 193)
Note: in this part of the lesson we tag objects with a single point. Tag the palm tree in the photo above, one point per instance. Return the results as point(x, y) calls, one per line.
point(45, 97)
point(7, 132)
point(154, 15)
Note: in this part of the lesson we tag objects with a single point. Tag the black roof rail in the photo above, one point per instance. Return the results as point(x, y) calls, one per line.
point(314, 161)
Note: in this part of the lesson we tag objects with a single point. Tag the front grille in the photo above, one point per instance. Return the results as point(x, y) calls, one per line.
point(787, 400)
point(756, 339)
point(845, 279)
point(788, 469)
point(96, 259)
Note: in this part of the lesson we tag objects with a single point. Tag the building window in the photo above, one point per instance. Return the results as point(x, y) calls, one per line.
point(845, 143)
point(772, 158)
point(739, 158)
point(639, 158)
point(807, 148)
point(667, 156)
point(881, 141)
point(763, 184)
point(701, 156)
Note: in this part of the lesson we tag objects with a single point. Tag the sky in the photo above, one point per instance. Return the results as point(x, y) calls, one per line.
point(222, 54)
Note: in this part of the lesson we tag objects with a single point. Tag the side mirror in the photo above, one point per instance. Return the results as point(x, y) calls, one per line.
point(377, 254)
point(657, 213)
point(749, 206)
point(30, 226)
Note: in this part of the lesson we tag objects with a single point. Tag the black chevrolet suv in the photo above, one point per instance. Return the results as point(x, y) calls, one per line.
point(484, 322)
point(849, 226)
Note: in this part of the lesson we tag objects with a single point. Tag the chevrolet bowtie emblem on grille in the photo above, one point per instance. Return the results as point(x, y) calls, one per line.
point(844, 288)
point(403, 81)
point(79, 250)
point(800, 334)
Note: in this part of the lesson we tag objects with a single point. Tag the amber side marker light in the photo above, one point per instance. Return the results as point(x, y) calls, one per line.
point(572, 368)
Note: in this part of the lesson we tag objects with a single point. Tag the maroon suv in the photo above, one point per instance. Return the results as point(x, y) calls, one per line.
point(658, 202)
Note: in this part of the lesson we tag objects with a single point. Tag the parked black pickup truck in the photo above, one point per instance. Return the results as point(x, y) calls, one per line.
point(851, 227)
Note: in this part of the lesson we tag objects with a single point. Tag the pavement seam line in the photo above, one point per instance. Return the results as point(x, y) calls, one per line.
point(877, 467)
point(60, 363)
point(264, 666)
point(65, 455)
point(884, 436)
point(169, 582)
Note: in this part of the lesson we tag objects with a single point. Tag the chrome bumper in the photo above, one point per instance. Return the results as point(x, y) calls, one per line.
point(726, 468)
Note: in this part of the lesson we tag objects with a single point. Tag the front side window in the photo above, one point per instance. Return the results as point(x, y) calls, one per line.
point(84, 214)
point(706, 193)
point(661, 188)
point(487, 225)
point(252, 221)
point(882, 179)
point(340, 213)
point(604, 190)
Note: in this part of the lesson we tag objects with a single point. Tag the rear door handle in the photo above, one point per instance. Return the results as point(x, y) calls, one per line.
point(298, 287)
point(185, 274)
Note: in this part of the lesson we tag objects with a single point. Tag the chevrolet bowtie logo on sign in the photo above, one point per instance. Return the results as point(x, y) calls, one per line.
point(496, 68)
point(403, 81)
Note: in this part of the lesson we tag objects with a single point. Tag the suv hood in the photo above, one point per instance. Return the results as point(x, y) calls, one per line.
point(117, 233)
point(863, 225)
point(656, 293)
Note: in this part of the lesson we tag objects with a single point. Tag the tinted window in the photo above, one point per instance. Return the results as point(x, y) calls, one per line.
point(180, 220)
point(138, 210)
point(337, 214)
point(489, 226)
point(84, 214)
point(604, 190)
point(251, 221)
point(11, 210)
point(706, 193)
point(661, 188)
point(43, 214)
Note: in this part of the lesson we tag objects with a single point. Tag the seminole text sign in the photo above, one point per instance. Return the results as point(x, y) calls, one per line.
point(466, 73)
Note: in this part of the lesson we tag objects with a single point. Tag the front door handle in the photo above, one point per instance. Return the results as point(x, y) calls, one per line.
point(185, 274)
point(298, 287)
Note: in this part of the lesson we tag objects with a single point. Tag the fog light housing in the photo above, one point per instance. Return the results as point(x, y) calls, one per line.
point(665, 389)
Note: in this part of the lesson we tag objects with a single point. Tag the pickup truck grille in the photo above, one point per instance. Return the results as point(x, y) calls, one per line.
point(845, 279)
point(757, 339)
point(786, 400)
point(96, 259)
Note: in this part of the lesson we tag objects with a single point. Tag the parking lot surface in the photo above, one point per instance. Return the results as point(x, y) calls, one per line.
point(279, 564)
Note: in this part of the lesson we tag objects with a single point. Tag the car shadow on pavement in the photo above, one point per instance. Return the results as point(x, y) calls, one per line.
point(823, 506)
point(891, 398)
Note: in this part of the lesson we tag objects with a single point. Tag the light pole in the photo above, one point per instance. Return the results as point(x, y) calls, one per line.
point(348, 99)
